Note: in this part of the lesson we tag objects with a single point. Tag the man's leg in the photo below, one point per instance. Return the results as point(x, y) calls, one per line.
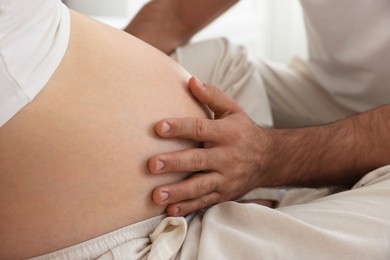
point(353, 224)
point(296, 97)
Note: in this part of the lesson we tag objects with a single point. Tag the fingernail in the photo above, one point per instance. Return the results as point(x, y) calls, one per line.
point(176, 211)
point(164, 196)
point(159, 165)
point(198, 83)
point(165, 127)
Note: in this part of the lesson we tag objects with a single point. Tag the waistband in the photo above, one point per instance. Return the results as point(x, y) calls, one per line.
point(136, 236)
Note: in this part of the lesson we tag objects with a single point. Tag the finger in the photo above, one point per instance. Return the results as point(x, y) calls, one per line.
point(217, 101)
point(196, 129)
point(194, 187)
point(187, 207)
point(192, 160)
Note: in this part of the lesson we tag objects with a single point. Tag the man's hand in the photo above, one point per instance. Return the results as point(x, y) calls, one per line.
point(238, 156)
point(229, 164)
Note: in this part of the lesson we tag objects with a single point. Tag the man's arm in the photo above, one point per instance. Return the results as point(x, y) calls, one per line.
point(339, 153)
point(167, 24)
point(239, 156)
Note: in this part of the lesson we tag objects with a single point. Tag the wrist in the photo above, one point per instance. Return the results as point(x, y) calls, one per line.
point(314, 156)
point(288, 157)
point(269, 163)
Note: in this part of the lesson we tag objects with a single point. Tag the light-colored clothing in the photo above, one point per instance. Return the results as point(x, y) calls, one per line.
point(157, 238)
point(33, 39)
point(349, 43)
point(353, 224)
point(134, 237)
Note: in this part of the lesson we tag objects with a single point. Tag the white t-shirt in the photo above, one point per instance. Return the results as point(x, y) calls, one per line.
point(349, 49)
point(34, 35)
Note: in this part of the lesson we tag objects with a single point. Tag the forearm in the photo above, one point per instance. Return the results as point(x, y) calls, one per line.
point(196, 14)
point(336, 154)
point(167, 24)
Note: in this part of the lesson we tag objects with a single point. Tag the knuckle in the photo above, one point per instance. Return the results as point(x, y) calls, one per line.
point(233, 157)
point(198, 161)
point(234, 135)
point(202, 186)
point(235, 161)
point(216, 128)
point(200, 127)
point(211, 157)
point(202, 203)
point(215, 184)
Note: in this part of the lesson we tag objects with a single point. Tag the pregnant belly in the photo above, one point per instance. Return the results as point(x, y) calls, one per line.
point(73, 163)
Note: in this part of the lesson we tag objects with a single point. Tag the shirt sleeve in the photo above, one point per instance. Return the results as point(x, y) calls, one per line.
point(34, 36)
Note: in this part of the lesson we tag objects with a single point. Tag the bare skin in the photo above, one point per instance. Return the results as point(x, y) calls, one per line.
point(239, 156)
point(74, 161)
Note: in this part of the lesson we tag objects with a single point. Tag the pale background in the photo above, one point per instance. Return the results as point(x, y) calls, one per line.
point(270, 29)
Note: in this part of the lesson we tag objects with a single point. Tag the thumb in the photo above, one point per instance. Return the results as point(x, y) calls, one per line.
point(213, 97)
